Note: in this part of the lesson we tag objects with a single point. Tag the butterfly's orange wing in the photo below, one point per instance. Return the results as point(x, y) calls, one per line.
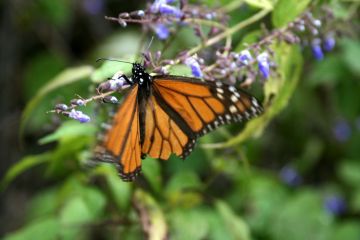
point(163, 135)
point(121, 144)
point(182, 109)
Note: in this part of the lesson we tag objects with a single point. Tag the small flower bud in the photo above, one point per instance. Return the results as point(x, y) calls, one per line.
point(124, 15)
point(104, 87)
point(122, 22)
point(141, 13)
point(317, 22)
point(77, 102)
point(61, 107)
point(110, 99)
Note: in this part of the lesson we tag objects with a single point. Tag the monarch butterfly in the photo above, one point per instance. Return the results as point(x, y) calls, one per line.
point(165, 114)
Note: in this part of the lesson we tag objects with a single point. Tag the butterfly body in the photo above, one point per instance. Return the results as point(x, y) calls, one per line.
point(165, 114)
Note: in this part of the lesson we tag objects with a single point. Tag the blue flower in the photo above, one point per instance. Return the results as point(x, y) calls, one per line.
point(335, 204)
point(329, 43)
point(290, 176)
point(170, 10)
point(342, 131)
point(316, 49)
point(163, 7)
point(245, 57)
point(162, 31)
point(263, 64)
point(195, 66)
point(79, 116)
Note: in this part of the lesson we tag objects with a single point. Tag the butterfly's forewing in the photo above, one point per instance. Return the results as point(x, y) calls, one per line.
point(200, 107)
point(122, 141)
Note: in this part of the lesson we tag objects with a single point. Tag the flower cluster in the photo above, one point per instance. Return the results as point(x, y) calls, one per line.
point(164, 16)
point(255, 61)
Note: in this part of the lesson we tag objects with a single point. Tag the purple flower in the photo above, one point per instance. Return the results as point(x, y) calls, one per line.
point(329, 43)
point(195, 66)
point(162, 31)
point(335, 204)
point(79, 116)
point(245, 57)
point(290, 176)
point(316, 49)
point(163, 7)
point(170, 10)
point(263, 64)
point(342, 131)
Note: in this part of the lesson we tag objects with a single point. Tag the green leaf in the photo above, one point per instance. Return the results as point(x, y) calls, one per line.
point(302, 217)
point(66, 77)
point(152, 173)
point(329, 72)
point(189, 223)
point(119, 190)
point(346, 230)
point(40, 69)
point(69, 129)
point(351, 53)
point(156, 226)
point(183, 181)
point(287, 10)
point(237, 228)
point(43, 204)
point(263, 194)
point(22, 166)
point(264, 4)
point(349, 172)
point(45, 228)
point(75, 212)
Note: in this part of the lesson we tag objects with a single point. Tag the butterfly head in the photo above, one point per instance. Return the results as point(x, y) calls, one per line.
point(139, 75)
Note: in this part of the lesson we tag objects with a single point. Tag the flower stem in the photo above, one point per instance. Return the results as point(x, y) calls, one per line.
point(230, 31)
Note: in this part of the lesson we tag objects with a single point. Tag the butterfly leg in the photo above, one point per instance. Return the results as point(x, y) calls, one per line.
point(130, 82)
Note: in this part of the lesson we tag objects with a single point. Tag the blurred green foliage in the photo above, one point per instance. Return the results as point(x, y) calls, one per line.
point(231, 193)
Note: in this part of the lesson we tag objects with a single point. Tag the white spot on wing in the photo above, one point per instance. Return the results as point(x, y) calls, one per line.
point(234, 98)
point(232, 89)
point(233, 109)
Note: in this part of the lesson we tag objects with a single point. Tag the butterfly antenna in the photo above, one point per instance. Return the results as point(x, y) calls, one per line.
point(147, 48)
point(113, 60)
